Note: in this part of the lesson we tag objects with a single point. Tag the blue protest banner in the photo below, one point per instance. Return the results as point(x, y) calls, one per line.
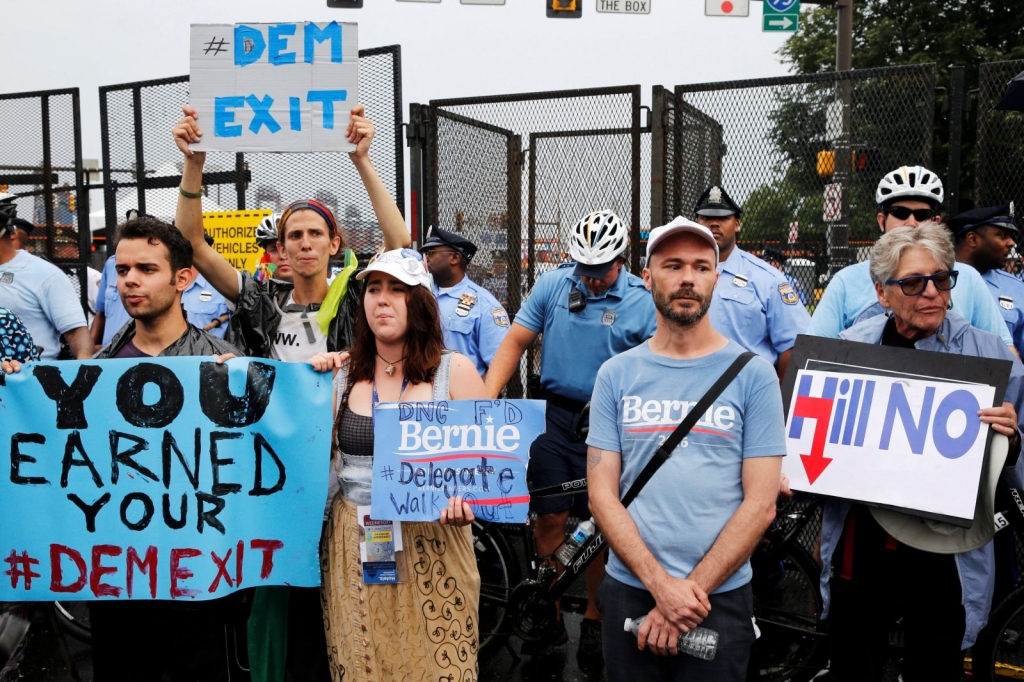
point(169, 478)
point(425, 453)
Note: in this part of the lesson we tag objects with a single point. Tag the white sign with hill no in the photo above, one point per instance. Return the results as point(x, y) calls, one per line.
point(286, 87)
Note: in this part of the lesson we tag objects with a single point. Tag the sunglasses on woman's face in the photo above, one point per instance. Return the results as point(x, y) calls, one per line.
point(916, 284)
point(920, 214)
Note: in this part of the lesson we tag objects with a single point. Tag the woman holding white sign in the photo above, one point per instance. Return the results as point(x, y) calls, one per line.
point(871, 578)
point(424, 627)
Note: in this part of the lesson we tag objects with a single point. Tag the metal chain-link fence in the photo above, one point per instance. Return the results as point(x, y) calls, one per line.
point(801, 154)
point(513, 173)
point(999, 166)
point(142, 167)
point(41, 163)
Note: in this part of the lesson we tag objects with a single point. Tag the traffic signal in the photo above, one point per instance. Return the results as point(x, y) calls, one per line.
point(72, 202)
point(565, 9)
point(862, 160)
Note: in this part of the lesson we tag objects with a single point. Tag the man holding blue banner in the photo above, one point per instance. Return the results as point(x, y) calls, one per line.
point(142, 640)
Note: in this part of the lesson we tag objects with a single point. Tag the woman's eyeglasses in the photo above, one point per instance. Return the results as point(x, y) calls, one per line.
point(920, 214)
point(916, 284)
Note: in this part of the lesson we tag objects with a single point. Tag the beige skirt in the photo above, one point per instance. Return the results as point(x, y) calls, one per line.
point(421, 630)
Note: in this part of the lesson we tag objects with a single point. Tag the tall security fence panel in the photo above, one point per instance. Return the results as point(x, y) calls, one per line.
point(999, 166)
point(514, 173)
point(142, 167)
point(801, 154)
point(41, 163)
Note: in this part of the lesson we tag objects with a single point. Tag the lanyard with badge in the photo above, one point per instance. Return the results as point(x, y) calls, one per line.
point(381, 539)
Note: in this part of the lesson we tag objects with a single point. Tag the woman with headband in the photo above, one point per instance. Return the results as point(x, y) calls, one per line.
point(280, 320)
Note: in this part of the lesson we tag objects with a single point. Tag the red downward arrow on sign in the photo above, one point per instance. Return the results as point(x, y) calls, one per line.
point(820, 410)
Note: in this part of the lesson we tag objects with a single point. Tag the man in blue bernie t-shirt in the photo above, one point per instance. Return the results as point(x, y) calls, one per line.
point(680, 551)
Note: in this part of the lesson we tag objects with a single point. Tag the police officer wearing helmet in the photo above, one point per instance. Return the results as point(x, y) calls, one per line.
point(754, 304)
point(984, 238)
point(274, 263)
point(587, 311)
point(474, 322)
point(906, 197)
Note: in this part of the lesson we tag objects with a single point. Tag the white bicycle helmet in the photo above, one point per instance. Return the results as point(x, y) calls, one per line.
point(266, 231)
point(598, 238)
point(909, 182)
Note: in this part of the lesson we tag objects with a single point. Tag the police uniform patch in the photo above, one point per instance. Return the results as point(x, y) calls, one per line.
point(500, 317)
point(7, 278)
point(466, 303)
point(1006, 302)
point(608, 318)
point(205, 296)
point(740, 280)
point(789, 296)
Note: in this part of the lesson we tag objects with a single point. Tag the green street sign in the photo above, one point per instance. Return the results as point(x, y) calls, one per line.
point(781, 15)
point(781, 22)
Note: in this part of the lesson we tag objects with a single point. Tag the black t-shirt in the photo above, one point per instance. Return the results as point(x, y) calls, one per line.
point(891, 337)
point(130, 350)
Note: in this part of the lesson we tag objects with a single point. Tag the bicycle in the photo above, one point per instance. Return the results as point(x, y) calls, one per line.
point(787, 598)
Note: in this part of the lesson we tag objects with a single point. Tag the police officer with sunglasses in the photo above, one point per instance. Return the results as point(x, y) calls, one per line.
point(907, 197)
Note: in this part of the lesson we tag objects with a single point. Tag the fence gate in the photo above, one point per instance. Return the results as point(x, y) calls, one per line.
point(801, 154)
point(999, 168)
point(142, 167)
point(580, 150)
point(41, 163)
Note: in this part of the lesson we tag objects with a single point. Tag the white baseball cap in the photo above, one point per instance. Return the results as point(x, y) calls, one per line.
point(680, 224)
point(404, 265)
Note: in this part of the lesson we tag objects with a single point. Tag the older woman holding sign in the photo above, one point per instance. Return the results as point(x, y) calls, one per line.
point(872, 579)
point(424, 628)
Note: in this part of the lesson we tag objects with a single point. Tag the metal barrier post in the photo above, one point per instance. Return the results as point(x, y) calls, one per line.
point(956, 131)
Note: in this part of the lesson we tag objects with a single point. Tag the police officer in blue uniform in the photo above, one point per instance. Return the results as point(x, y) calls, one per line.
point(474, 322)
point(754, 304)
point(204, 306)
point(984, 238)
point(587, 312)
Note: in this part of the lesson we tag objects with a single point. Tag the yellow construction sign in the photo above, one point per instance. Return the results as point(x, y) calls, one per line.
point(234, 236)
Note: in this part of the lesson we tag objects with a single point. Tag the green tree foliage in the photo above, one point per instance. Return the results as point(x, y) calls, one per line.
point(967, 33)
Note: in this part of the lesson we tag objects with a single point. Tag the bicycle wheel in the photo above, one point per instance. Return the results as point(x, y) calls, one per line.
point(499, 574)
point(74, 619)
point(999, 652)
point(787, 606)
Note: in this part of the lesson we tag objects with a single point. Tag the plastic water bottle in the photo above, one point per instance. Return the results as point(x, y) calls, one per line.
point(579, 536)
point(698, 642)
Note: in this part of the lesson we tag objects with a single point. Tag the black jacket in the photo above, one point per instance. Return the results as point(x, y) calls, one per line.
point(193, 342)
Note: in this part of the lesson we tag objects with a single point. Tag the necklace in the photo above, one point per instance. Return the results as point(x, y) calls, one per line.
point(390, 369)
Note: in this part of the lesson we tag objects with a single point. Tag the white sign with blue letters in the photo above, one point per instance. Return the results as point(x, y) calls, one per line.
point(906, 442)
point(286, 87)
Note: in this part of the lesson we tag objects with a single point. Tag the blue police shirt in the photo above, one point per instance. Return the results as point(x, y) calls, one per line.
point(850, 298)
point(1008, 291)
point(203, 304)
point(756, 306)
point(43, 297)
point(575, 345)
point(108, 302)
point(474, 322)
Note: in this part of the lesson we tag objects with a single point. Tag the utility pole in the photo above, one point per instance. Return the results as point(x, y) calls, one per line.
point(839, 232)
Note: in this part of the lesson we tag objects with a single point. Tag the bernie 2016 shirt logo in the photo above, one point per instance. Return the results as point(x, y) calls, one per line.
point(848, 409)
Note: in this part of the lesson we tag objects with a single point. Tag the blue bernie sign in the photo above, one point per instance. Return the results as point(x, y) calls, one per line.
point(167, 478)
point(425, 453)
